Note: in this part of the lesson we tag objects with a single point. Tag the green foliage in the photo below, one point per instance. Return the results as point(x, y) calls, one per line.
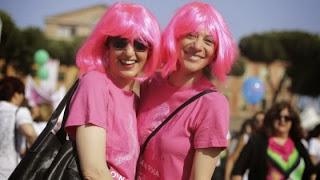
point(19, 46)
point(34, 39)
point(238, 68)
point(262, 47)
point(11, 38)
point(65, 51)
point(300, 49)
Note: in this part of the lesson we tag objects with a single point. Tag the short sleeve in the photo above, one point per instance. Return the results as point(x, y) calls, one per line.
point(212, 121)
point(314, 146)
point(23, 116)
point(89, 105)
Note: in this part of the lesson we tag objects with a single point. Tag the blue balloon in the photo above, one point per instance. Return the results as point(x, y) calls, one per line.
point(253, 90)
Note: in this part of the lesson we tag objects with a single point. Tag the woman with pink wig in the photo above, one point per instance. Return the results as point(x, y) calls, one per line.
point(196, 47)
point(123, 48)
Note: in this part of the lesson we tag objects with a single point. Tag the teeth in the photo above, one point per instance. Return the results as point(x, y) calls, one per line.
point(195, 58)
point(128, 62)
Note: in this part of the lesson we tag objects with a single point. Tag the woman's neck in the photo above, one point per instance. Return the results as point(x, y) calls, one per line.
point(184, 79)
point(123, 83)
point(281, 138)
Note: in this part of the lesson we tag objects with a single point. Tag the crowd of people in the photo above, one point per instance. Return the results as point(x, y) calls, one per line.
point(24, 113)
point(111, 118)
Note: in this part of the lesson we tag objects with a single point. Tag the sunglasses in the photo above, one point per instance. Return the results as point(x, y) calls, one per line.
point(120, 43)
point(286, 118)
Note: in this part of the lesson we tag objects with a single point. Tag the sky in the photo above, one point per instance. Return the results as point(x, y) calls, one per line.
point(244, 17)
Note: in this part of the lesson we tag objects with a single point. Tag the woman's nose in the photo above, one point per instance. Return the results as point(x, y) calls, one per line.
point(129, 50)
point(197, 44)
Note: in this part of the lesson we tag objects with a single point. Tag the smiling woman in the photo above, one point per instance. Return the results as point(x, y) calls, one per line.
point(102, 117)
point(126, 58)
point(276, 152)
point(197, 51)
point(188, 146)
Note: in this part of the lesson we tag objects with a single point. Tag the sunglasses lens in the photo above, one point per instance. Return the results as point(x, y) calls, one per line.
point(119, 43)
point(285, 118)
point(139, 46)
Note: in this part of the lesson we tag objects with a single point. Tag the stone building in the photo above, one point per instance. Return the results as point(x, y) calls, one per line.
point(68, 25)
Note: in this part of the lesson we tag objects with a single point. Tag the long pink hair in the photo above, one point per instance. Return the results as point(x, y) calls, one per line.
point(126, 20)
point(193, 17)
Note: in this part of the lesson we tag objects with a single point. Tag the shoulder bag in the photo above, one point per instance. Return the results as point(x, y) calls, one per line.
point(52, 156)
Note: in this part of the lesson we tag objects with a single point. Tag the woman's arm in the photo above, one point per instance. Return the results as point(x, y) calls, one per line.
point(204, 163)
point(91, 143)
point(232, 158)
point(28, 131)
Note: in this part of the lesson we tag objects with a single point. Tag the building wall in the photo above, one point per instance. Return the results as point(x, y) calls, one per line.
point(68, 25)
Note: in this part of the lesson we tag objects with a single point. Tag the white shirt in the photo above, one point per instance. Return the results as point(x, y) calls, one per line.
point(9, 119)
point(314, 147)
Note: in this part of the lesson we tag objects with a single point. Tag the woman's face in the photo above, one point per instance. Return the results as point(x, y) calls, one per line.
point(126, 58)
point(196, 51)
point(283, 122)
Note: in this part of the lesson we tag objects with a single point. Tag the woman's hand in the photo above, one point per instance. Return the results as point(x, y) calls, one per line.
point(91, 143)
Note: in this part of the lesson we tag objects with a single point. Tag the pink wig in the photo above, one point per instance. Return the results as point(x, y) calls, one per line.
point(126, 20)
point(193, 17)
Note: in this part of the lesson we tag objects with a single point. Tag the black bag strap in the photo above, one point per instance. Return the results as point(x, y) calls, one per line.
point(187, 102)
point(66, 99)
point(54, 118)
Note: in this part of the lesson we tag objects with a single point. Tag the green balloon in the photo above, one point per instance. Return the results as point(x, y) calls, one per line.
point(41, 56)
point(43, 73)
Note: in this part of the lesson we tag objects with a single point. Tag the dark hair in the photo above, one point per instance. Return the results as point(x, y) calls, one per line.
point(9, 86)
point(21, 69)
point(255, 122)
point(315, 132)
point(273, 113)
point(247, 122)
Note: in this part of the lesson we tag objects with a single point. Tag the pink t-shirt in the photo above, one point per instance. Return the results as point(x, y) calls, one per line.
point(100, 102)
point(202, 124)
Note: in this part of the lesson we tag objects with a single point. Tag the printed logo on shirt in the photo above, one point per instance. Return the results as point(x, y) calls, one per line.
point(152, 170)
point(155, 116)
point(159, 114)
point(134, 145)
point(116, 175)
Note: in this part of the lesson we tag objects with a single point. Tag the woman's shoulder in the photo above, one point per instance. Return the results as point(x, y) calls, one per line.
point(94, 79)
point(215, 98)
point(93, 75)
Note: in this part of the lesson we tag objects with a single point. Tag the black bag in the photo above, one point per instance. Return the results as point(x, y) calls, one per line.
point(51, 156)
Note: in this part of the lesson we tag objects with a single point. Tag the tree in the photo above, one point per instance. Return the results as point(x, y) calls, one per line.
point(299, 49)
point(65, 51)
point(303, 51)
point(238, 68)
point(11, 38)
point(33, 40)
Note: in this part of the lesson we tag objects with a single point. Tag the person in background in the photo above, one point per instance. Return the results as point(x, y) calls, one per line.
point(276, 152)
point(41, 114)
point(314, 148)
point(123, 47)
point(258, 119)
point(249, 127)
point(196, 47)
point(12, 117)
point(236, 145)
